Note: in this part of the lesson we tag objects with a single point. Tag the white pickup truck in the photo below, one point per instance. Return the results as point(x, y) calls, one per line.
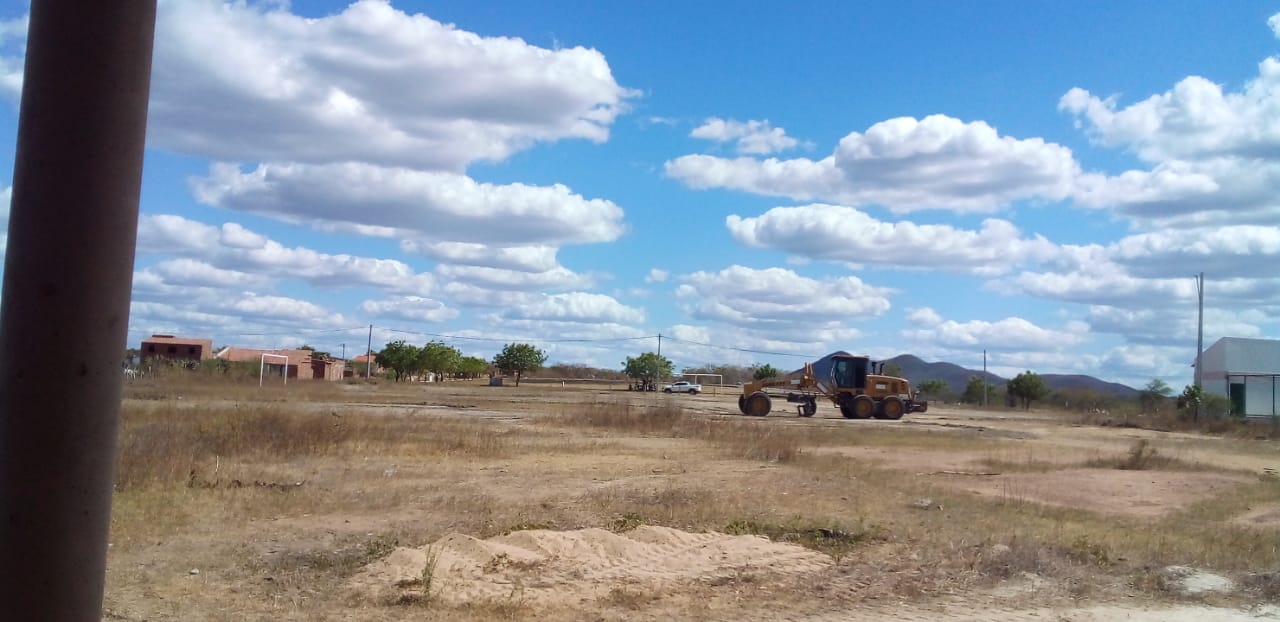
point(682, 387)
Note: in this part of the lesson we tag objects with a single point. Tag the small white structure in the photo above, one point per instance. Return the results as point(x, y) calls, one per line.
point(1245, 370)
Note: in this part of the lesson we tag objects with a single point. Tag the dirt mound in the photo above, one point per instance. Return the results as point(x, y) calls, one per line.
point(573, 566)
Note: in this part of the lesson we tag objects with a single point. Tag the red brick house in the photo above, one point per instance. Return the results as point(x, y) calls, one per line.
point(360, 366)
point(176, 348)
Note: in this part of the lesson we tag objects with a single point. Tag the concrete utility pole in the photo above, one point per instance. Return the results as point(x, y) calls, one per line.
point(984, 377)
point(368, 356)
point(64, 312)
point(1199, 374)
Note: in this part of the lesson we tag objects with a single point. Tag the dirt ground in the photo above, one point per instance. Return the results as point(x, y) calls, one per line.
point(955, 514)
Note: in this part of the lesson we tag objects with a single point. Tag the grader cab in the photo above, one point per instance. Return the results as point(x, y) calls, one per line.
point(854, 384)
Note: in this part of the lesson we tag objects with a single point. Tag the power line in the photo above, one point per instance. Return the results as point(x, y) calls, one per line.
point(497, 340)
point(747, 350)
point(309, 331)
point(508, 339)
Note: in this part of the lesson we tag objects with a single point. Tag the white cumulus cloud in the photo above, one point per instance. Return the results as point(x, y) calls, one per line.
point(1214, 153)
point(233, 247)
point(558, 278)
point(411, 308)
point(429, 207)
point(839, 233)
point(656, 275)
point(253, 81)
point(190, 272)
point(1195, 119)
point(904, 164)
point(781, 305)
point(576, 307)
point(521, 258)
point(1012, 333)
point(751, 137)
point(1174, 325)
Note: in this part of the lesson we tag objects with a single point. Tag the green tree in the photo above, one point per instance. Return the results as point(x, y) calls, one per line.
point(764, 372)
point(399, 357)
point(892, 369)
point(1153, 395)
point(1190, 398)
point(935, 386)
point(974, 389)
point(473, 366)
point(1027, 387)
point(439, 358)
point(650, 367)
point(518, 358)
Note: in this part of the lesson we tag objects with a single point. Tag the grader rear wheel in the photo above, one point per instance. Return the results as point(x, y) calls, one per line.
point(758, 404)
point(860, 407)
point(742, 404)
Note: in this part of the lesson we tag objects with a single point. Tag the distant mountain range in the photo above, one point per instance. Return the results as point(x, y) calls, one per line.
point(917, 370)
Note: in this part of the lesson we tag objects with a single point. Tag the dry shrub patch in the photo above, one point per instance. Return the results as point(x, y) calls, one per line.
point(164, 444)
point(834, 539)
point(1018, 556)
point(1184, 421)
point(1142, 455)
point(997, 465)
point(341, 559)
point(633, 598)
point(1266, 585)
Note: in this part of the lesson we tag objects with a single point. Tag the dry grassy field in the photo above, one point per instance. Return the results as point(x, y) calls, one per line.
point(466, 502)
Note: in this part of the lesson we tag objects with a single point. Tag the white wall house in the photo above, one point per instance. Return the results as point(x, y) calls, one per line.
point(1247, 371)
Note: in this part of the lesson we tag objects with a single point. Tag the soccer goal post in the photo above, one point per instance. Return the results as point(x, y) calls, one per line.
point(262, 367)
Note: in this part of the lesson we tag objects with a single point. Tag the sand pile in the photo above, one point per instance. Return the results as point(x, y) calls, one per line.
point(575, 566)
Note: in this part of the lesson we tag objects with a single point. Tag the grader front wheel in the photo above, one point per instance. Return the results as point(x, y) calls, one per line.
point(890, 408)
point(758, 404)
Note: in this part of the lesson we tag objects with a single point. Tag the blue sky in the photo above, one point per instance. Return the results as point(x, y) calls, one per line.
point(759, 182)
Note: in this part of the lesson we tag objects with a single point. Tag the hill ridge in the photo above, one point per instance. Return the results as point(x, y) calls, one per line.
point(918, 370)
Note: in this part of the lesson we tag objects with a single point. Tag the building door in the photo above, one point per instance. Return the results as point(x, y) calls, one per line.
point(1237, 398)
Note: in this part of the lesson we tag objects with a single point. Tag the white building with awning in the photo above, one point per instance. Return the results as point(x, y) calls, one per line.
point(1245, 370)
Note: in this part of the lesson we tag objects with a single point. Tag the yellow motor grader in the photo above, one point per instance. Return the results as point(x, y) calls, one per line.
point(854, 383)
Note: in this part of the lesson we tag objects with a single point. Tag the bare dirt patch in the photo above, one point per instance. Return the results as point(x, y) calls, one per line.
point(1137, 493)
